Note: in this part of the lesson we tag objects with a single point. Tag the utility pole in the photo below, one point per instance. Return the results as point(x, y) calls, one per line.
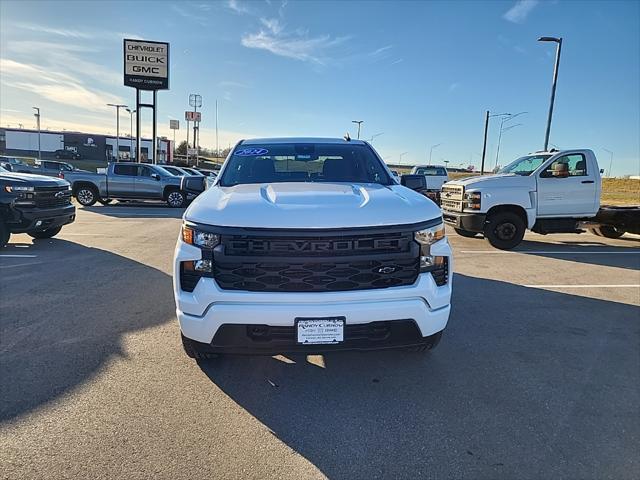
point(118, 107)
point(131, 112)
point(431, 151)
point(37, 115)
point(359, 122)
point(558, 42)
point(402, 155)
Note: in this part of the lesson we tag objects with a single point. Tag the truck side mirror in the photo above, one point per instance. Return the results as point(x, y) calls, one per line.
point(414, 182)
point(155, 176)
point(602, 170)
point(195, 185)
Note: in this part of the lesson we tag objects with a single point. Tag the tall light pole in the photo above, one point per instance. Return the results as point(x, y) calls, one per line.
point(359, 122)
point(131, 112)
point(558, 41)
point(504, 120)
point(402, 155)
point(374, 136)
point(487, 116)
point(118, 107)
point(610, 160)
point(431, 151)
point(37, 115)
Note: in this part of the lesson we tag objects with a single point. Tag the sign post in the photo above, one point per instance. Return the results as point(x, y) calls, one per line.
point(146, 67)
point(194, 117)
point(174, 125)
point(195, 101)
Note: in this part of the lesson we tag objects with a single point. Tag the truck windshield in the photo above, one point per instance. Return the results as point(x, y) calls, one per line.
point(305, 162)
point(431, 171)
point(525, 165)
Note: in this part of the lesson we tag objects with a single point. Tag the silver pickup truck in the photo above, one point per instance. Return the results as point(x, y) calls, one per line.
point(126, 181)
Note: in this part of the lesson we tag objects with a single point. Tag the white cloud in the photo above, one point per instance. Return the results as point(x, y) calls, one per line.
point(232, 84)
point(273, 24)
point(454, 86)
point(520, 11)
point(307, 49)
point(380, 51)
point(188, 15)
point(238, 7)
point(55, 86)
point(93, 34)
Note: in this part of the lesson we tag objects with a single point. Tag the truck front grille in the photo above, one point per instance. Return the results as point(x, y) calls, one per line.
point(52, 197)
point(318, 263)
point(452, 197)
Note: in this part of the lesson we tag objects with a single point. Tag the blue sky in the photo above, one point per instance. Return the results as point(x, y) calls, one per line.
point(423, 73)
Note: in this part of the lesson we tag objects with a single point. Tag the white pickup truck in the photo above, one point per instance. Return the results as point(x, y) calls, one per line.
point(546, 192)
point(310, 245)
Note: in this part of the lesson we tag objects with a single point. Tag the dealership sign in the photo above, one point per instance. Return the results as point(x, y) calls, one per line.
point(146, 64)
point(192, 116)
point(174, 124)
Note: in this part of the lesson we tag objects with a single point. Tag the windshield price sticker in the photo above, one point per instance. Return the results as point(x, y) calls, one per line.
point(251, 152)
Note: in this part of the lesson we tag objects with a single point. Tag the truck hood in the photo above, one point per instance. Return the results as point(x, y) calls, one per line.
point(311, 205)
point(36, 180)
point(503, 180)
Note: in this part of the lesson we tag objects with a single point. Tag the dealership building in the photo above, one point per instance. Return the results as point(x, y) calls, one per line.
point(24, 143)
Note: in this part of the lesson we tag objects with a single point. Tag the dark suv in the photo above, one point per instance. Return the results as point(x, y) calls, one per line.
point(67, 154)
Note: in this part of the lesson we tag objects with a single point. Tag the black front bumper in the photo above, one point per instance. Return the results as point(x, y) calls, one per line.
point(273, 340)
point(471, 222)
point(26, 219)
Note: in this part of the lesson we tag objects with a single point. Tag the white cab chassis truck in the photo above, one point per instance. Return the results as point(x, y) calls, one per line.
point(310, 245)
point(545, 192)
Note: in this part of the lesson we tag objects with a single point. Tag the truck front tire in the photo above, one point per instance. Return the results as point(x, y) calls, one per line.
point(430, 343)
point(607, 231)
point(50, 232)
point(86, 196)
point(4, 234)
point(193, 349)
point(504, 230)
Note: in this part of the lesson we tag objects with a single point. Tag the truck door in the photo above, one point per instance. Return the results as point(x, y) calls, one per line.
point(148, 183)
point(121, 183)
point(567, 187)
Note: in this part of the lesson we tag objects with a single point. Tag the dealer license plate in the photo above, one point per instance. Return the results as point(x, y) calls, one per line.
point(320, 331)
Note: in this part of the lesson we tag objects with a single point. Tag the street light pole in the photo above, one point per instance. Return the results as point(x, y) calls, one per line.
point(118, 107)
point(486, 131)
point(374, 136)
point(37, 115)
point(504, 120)
point(431, 151)
point(401, 155)
point(131, 112)
point(610, 160)
point(359, 122)
point(558, 42)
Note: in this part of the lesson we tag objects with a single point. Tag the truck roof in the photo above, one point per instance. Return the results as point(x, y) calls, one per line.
point(261, 141)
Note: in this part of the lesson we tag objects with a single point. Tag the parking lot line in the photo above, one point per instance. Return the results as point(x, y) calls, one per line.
point(18, 256)
point(555, 252)
point(585, 286)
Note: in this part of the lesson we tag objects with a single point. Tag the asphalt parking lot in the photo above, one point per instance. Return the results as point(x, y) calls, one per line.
point(537, 375)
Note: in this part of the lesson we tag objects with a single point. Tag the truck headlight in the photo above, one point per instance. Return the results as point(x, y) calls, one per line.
point(472, 200)
point(17, 188)
point(426, 238)
point(199, 238)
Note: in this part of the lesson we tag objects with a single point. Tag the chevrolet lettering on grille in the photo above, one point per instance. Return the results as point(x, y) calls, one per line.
point(315, 246)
